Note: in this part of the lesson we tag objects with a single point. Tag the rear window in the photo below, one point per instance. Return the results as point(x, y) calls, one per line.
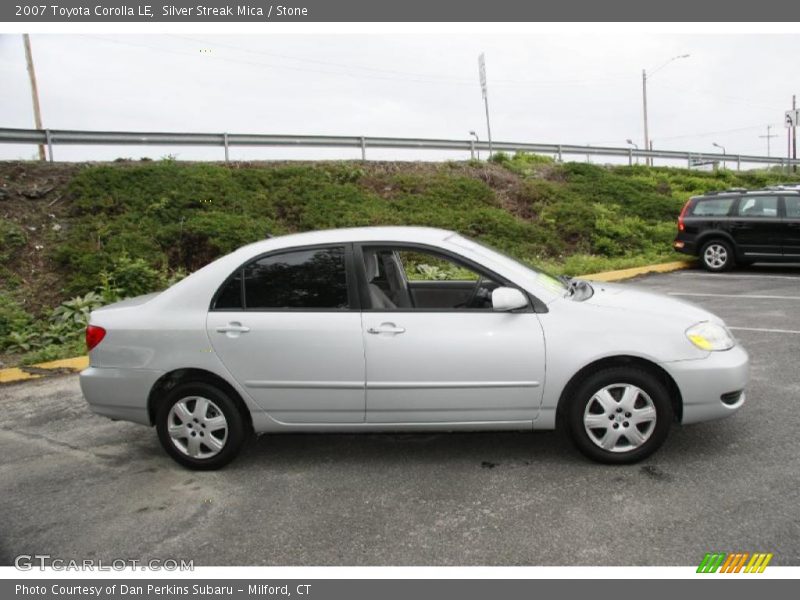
point(712, 207)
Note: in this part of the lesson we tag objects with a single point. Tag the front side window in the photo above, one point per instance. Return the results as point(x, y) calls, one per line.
point(758, 206)
point(792, 207)
point(405, 278)
point(302, 279)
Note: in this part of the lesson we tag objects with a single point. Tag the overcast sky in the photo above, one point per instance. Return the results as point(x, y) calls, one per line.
point(553, 89)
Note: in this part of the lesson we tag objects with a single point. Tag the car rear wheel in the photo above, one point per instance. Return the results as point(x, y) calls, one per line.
point(200, 426)
point(619, 415)
point(717, 256)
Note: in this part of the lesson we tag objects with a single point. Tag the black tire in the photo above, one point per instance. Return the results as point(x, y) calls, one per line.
point(717, 256)
point(584, 404)
point(231, 443)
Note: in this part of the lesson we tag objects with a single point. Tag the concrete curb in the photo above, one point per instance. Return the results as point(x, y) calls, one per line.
point(636, 271)
point(73, 365)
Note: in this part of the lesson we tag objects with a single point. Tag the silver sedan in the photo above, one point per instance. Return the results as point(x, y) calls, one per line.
point(405, 329)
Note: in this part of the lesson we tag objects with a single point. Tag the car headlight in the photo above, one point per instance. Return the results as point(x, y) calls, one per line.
point(710, 336)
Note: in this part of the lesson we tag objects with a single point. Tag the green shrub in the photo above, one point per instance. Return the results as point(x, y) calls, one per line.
point(12, 236)
point(12, 317)
point(74, 347)
point(130, 277)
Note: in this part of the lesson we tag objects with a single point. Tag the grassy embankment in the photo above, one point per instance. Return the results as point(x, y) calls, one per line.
point(75, 236)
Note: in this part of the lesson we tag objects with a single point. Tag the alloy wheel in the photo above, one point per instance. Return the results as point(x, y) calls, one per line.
point(716, 256)
point(619, 417)
point(197, 427)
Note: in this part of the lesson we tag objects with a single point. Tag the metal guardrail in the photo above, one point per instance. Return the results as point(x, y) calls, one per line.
point(51, 137)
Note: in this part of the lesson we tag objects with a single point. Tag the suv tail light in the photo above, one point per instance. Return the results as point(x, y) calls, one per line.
point(685, 208)
point(94, 335)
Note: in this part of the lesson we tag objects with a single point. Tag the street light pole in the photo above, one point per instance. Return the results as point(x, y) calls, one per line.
point(477, 141)
point(721, 147)
point(635, 145)
point(649, 161)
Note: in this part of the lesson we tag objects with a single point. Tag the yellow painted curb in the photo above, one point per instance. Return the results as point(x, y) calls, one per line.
point(79, 363)
point(636, 271)
point(14, 374)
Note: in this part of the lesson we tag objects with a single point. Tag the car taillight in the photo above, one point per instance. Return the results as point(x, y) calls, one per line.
point(94, 335)
point(685, 208)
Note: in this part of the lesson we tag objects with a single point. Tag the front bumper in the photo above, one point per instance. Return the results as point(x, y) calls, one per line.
point(707, 385)
point(119, 393)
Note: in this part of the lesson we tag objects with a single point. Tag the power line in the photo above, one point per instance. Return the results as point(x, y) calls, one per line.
point(710, 133)
point(400, 76)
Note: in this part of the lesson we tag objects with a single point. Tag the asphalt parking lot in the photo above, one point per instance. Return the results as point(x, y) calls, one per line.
point(75, 485)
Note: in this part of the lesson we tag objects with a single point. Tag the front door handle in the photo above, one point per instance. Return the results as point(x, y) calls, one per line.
point(233, 327)
point(386, 328)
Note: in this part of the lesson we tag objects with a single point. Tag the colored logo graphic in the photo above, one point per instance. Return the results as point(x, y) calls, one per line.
point(735, 562)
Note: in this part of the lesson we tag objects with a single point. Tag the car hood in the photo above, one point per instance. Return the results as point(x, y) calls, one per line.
point(632, 299)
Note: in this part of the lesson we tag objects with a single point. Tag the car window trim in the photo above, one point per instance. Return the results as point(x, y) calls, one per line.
point(535, 305)
point(353, 299)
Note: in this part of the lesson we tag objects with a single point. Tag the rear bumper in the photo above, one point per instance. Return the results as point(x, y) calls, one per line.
point(119, 393)
point(709, 386)
point(684, 246)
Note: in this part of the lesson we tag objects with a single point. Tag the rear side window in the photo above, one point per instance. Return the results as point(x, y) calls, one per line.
point(758, 206)
point(304, 279)
point(712, 207)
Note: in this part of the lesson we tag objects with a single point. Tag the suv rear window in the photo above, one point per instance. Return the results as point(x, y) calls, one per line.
point(712, 207)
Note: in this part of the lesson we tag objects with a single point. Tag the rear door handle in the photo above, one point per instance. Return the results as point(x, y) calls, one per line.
point(233, 327)
point(386, 328)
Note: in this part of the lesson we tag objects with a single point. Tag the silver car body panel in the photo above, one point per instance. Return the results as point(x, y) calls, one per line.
point(449, 370)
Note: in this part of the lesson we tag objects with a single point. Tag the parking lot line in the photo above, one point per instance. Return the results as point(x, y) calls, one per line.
point(705, 275)
point(743, 296)
point(764, 329)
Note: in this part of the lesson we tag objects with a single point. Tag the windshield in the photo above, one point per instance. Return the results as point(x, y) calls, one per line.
point(544, 279)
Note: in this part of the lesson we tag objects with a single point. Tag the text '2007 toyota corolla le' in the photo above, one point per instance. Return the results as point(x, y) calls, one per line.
point(404, 329)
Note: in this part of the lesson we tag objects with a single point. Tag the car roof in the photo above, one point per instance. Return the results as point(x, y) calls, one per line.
point(771, 191)
point(359, 234)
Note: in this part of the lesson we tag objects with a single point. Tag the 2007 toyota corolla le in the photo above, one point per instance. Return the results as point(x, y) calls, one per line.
point(404, 328)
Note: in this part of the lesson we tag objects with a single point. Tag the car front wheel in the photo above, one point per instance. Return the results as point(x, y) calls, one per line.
point(717, 256)
point(200, 426)
point(619, 415)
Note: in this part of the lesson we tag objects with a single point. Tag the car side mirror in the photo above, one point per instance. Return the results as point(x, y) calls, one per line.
point(506, 299)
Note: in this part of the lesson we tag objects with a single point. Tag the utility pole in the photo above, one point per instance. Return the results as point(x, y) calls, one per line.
point(794, 132)
point(768, 136)
point(647, 144)
point(37, 115)
point(485, 92)
point(644, 111)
